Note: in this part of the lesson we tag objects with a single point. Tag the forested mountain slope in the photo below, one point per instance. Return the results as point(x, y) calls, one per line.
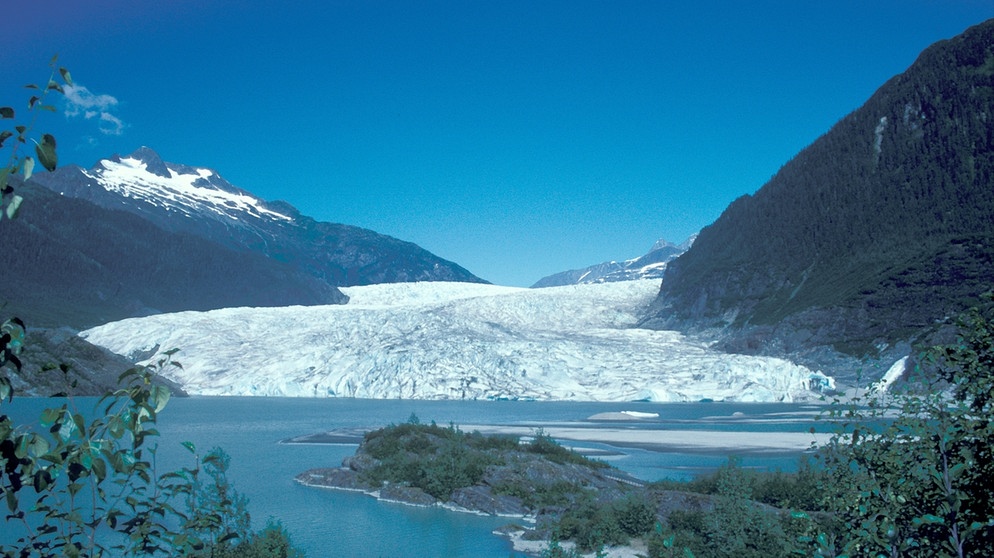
point(68, 262)
point(865, 240)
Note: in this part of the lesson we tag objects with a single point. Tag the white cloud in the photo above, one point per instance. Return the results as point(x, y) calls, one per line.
point(110, 124)
point(80, 101)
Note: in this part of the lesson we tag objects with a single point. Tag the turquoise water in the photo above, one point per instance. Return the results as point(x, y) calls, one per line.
point(343, 524)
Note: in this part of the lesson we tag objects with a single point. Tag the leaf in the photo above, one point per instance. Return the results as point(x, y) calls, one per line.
point(957, 470)
point(4, 135)
point(66, 76)
point(21, 451)
point(158, 397)
point(115, 427)
point(39, 446)
point(46, 152)
point(52, 85)
point(6, 112)
point(66, 429)
point(49, 416)
point(29, 167)
point(190, 447)
point(42, 480)
point(80, 422)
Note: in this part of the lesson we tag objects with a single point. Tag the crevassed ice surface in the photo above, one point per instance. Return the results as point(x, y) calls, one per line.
point(451, 341)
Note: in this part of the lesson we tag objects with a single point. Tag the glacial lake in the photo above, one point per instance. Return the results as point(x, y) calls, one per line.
point(343, 524)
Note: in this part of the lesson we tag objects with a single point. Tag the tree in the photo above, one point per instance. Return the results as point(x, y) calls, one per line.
point(919, 484)
point(44, 149)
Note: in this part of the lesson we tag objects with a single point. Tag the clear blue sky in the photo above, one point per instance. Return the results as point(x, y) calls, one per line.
point(516, 138)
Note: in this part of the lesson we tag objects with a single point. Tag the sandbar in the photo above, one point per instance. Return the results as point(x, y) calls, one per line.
point(652, 439)
point(663, 440)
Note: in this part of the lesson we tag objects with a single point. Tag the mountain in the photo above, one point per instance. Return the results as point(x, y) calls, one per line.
point(136, 236)
point(200, 202)
point(454, 341)
point(650, 266)
point(90, 370)
point(72, 263)
point(868, 238)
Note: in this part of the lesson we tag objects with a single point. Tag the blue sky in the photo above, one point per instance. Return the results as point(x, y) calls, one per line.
point(517, 139)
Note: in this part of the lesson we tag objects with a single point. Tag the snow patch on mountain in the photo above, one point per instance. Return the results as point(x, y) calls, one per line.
point(453, 341)
point(652, 265)
point(188, 190)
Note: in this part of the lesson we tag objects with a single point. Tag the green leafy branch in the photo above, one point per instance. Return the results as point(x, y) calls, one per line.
point(45, 150)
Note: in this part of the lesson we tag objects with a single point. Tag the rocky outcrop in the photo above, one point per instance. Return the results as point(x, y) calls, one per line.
point(409, 495)
point(481, 498)
point(342, 478)
point(57, 361)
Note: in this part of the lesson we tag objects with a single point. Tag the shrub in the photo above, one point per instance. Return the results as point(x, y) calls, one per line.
point(543, 444)
point(435, 459)
point(591, 525)
point(635, 514)
point(536, 496)
point(919, 485)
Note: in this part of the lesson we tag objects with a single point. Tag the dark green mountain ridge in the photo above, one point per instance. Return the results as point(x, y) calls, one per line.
point(68, 262)
point(868, 238)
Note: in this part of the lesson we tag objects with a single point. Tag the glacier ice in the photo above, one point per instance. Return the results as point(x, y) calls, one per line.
point(453, 341)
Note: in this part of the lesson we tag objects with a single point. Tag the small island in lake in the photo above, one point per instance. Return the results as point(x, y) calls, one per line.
point(531, 478)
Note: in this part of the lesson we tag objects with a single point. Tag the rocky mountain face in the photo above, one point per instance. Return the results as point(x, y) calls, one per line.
point(867, 239)
point(652, 265)
point(57, 361)
point(137, 236)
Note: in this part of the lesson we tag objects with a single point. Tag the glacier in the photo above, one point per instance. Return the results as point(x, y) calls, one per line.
point(443, 340)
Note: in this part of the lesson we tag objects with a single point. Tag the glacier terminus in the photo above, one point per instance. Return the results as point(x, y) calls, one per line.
point(446, 340)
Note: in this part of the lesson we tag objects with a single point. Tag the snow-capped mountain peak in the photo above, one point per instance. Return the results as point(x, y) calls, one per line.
point(197, 201)
point(648, 266)
point(189, 190)
point(683, 246)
